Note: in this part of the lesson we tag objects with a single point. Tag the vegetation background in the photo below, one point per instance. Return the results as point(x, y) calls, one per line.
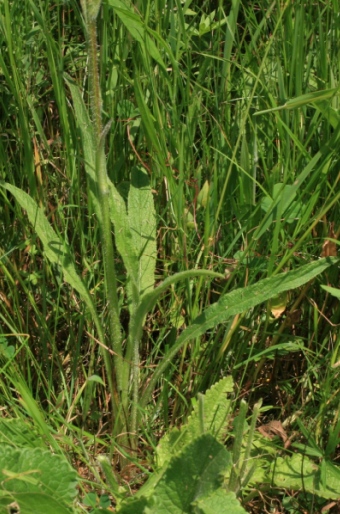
point(242, 194)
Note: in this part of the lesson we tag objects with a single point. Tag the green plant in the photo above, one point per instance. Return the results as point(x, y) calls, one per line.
point(134, 223)
point(196, 473)
point(212, 463)
point(32, 479)
point(247, 196)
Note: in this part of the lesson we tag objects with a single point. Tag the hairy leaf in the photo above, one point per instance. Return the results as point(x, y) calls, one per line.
point(215, 409)
point(142, 222)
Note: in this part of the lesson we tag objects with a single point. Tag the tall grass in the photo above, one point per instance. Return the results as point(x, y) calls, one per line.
point(242, 195)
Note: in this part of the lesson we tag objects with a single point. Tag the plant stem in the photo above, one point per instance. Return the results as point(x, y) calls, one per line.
point(115, 337)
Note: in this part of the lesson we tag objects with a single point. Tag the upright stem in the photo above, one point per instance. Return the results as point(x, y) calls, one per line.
point(91, 9)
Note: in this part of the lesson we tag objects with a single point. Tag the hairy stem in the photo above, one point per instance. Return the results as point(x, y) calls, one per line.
point(91, 9)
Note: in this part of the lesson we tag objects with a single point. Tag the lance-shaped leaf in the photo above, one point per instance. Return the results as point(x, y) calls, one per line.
point(124, 241)
point(56, 250)
point(230, 305)
point(137, 28)
point(85, 127)
point(142, 222)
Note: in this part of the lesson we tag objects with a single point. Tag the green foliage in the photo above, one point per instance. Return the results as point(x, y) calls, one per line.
point(55, 248)
point(299, 472)
point(190, 477)
point(19, 433)
point(146, 129)
point(31, 477)
point(196, 472)
point(191, 463)
point(210, 415)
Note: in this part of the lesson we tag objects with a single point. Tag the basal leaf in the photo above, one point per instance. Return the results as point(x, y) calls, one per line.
point(55, 248)
point(40, 503)
point(196, 472)
point(28, 470)
point(299, 472)
point(133, 506)
point(219, 502)
point(216, 406)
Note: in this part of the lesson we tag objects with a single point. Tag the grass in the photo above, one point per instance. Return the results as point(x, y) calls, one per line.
point(242, 195)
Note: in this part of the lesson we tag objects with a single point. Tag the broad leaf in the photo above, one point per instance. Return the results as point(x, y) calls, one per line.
point(215, 406)
point(39, 503)
point(27, 470)
point(195, 473)
point(133, 506)
point(219, 502)
point(299, 472)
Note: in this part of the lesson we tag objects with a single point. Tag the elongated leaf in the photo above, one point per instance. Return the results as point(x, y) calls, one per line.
point(236, 302)
point(55, 248)
point(142, 222)
point(85, 127)
point(147, 117)
point(137, 28)
point(88, 141)
point(332, 290)
point(123, 238)
point(299, 101)
point(246, 298)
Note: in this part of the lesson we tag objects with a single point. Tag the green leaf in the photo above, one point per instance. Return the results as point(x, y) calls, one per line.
point(219, 502)
point(241, 300)
point(203, 195)
point(35, 470)
point(216, 406)
point(234, 303)
point(123, 237)
point(332, 290)
point(299, 472)
point(40, 503)
point(272, 352)
point(16, 432)
point(142, 222)
point(133, 506)
point(96, 378)
point(195, 473)
point(85, 127)
point(137, 28)
point(308, 98)
point(55, 248)
point(281, 205)
point(148, 119)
